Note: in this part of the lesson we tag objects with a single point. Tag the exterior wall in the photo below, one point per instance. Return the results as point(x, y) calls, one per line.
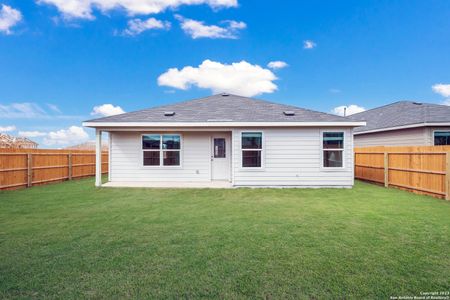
point(293, 157)
point(404, 137)
point(126, 159)
point(421, 136)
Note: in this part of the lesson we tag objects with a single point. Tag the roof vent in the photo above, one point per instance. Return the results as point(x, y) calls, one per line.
point(225, 94)
point(289, 113)
point(417, 103)
point(169, 113)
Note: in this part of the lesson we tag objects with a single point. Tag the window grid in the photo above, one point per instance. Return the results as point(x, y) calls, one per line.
point(334, 149)
point(162, 152)
point(259, 150)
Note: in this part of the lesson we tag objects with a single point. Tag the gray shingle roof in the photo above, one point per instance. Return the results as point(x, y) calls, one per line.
point(223, 108)
point(400, 114)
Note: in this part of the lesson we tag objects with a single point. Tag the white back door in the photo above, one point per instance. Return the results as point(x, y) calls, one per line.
point(220, 157)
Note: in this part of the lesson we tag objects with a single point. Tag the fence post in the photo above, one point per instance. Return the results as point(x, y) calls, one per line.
point(29, 169)
point(386, 169)
point(70, 165)
point(447, 176)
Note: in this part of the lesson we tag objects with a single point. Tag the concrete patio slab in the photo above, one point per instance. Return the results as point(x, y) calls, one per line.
point(170, 184)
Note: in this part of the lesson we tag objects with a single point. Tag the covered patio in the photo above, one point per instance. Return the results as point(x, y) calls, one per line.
point(199, 158)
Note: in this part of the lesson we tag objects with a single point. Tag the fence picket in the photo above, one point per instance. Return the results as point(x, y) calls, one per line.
point(29, 169)
point(69, 157)
point(386, 169)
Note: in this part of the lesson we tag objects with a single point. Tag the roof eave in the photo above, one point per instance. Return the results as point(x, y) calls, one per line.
point(220, 124)
point(428, 124)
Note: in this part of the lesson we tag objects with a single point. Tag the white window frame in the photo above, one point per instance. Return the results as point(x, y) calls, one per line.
point(263, 146)
point(322, 150)
point(439, 130)
point(161, 150)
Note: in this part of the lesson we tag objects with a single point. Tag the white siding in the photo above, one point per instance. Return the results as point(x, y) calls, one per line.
point(292, 157)
point(404, 137)
point(126, 159)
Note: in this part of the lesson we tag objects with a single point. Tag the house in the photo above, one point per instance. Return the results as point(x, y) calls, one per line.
point(9, 141)
point(404, 123)
point(227, 140)
point(88, 146)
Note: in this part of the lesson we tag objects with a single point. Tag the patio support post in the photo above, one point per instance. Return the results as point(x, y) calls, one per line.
point(98, 157)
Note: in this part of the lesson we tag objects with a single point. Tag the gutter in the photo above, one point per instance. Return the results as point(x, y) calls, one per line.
point(220, 124)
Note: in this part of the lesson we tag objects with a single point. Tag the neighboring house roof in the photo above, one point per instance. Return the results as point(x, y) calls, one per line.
point(221, 108)
point(89, 145)
point(9, 141)
point(402, 114)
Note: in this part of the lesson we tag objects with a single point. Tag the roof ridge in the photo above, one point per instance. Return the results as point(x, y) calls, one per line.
point(179, 102)
point(386, 105)
point(292, 106)
point(401, 101)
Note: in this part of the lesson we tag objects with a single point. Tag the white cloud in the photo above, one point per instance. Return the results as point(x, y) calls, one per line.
point(235, 24)
point(84, 8)
point(137, 26)
point(27, 110)
point(442, 89)
point(71, 135)
point(349, 110)
point(21, 110)
point(106, 110)
point(197, 29)
point(7, 128)
point(278, 64)
point(32, 134)
point(240, 78)
point(9, 17)
point(308, 44)
point(54, 108)
point(335, 91)
point(446, 102)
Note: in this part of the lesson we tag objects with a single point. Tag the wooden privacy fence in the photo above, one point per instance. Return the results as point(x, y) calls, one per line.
point(422, 170)
point(28, 167)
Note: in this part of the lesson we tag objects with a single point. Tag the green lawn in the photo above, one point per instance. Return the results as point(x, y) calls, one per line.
point(72, 240)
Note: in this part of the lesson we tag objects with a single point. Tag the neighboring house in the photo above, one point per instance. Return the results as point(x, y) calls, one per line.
point(404, 123)
point(9, 141)
point(228, 139)
point(89, 145)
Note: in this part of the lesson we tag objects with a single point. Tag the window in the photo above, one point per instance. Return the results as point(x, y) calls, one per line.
point(161, 150)
point(251, 146)
point(151, 145)
point(333, 149)
point(441, 138)
point(219, 148)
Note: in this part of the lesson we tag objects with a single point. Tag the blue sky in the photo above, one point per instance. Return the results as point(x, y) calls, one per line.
point(59, 61)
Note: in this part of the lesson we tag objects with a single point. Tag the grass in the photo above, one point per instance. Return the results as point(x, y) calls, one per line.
point(72, 240)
